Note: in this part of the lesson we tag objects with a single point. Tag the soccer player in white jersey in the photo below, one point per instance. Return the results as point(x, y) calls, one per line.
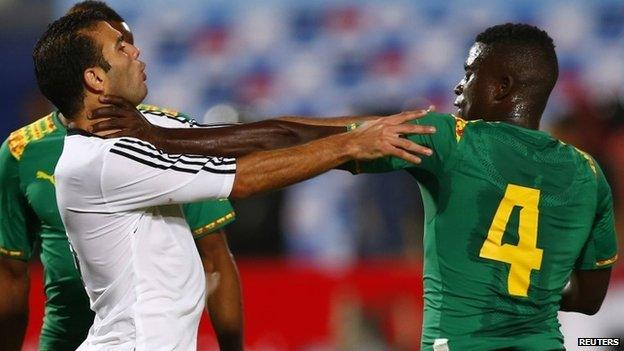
point(119, 198)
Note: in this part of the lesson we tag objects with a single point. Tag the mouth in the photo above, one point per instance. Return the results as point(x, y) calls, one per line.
point(143, 71)
point(459, 103)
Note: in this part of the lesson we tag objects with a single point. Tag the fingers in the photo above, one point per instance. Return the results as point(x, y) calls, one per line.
point(411, 147)
point(106, 125)
point(110, 111)
point(405, 116)
point(413, 129)
point(400, 153)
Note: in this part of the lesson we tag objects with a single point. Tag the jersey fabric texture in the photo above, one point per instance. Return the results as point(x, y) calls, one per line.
point(30, 223)
point(509, 213)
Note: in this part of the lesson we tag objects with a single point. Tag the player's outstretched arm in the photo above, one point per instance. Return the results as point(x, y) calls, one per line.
point(266, 170)
point(332, 121)
point(224, 304)
point(15, 282)
point(586, 291)
point(121, 118)
point(327, 121)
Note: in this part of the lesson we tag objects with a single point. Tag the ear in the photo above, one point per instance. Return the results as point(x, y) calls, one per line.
point(94, 78)
point(504, 87)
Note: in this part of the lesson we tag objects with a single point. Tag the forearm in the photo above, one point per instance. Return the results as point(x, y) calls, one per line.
point(225, 305)
point(13, 310)
point(241, 139)
point(267, 170)
point(329, 121)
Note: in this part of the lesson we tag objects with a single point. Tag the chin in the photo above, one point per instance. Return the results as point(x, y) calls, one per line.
point(139, 96)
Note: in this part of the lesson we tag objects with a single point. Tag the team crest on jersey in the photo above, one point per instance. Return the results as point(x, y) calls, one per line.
point(20, 138)
point(460, 125)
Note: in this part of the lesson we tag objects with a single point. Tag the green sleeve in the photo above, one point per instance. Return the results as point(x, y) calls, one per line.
point(600, 250)
point(442, 142)
point(208, 216)
point(16, 240)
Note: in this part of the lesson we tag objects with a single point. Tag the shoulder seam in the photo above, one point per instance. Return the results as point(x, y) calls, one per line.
point(154, 108)
point(588, 158)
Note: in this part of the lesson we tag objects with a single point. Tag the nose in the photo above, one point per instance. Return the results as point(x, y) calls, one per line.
point(134, 51)
point(459, 88)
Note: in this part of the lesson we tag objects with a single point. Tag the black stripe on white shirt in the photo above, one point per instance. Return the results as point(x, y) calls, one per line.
point(160, 160)
point(218, 160)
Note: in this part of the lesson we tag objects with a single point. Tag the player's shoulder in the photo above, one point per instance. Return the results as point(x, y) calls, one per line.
point(585, 158)
point(448, 123)
point(19, 139)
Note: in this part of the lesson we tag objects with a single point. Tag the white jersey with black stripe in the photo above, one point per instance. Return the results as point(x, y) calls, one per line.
point(119, 200)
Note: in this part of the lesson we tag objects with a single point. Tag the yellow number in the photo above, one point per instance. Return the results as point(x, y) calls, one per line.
point(525, 256)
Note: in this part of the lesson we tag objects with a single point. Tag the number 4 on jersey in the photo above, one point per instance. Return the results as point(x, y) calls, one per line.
point(525, 256)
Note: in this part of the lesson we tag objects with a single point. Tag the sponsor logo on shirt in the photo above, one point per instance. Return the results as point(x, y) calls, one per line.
point(49, 177)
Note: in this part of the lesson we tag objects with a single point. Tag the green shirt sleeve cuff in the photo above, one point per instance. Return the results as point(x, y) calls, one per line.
point(213, 226)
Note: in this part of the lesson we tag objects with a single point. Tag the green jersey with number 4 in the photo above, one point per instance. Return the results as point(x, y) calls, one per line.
point(29, 219)
point(509, 213)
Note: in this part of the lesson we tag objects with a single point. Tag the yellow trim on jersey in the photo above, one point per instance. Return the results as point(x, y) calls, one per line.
point(34, 131)
point(589, 159)
point(607, 261)
point(167, 111)
point(460, 125)
point(214, 224)
point(10, 253)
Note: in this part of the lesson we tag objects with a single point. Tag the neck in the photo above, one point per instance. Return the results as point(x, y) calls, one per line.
point(519, 113)
point(81, 119)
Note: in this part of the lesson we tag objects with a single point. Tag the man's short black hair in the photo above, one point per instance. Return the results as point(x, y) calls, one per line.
point(100, 6)
point(516, 34)
point(61, 56)
point(528, 52)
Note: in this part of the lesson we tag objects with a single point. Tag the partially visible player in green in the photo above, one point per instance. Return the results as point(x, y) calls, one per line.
point(511, 214)
point(30, 223)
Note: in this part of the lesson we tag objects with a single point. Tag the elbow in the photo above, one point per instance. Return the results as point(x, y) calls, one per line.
point(591, 310)
point(241, 188)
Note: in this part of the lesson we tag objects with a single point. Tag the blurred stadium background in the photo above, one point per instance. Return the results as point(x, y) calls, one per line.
point(334, 263)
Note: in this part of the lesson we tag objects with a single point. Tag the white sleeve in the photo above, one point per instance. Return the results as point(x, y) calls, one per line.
point(136, 175)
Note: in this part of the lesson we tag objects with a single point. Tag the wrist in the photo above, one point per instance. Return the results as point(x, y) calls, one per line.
point(352, 126)
point(350, 147)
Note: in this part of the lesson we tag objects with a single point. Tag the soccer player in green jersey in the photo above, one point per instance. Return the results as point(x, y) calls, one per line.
point(512, 214)
point(30, 222)
point(518, 225)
